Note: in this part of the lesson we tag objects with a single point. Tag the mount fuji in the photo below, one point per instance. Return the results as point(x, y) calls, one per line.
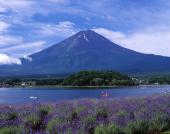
point(87, 50)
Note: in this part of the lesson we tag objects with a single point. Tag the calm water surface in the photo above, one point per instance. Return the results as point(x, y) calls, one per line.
point(27, 95)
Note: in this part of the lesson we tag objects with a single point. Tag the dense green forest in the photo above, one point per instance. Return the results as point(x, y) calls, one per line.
point(98, 78)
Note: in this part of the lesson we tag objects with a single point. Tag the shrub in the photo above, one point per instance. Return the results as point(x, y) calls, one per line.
point(101, 114)
point(159, 124)
point(12, 116)
point(44, 110)
point(74, 116)
point(110, 129)
point(52, 124)
point(89, 123)
point(137, 127)
point(11, 130)
point(33, 122)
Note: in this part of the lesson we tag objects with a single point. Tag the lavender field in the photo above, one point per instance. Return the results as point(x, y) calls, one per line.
point(145, 115)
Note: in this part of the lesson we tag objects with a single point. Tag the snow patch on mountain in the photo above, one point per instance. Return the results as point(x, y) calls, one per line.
point(85, 37)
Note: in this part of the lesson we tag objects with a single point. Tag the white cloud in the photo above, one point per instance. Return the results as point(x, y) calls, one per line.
point(112, 35)
point(155, 42)
point(3, 26)
point(8, 60)
point(27, 58)
point(62, 29)
point(150, 41)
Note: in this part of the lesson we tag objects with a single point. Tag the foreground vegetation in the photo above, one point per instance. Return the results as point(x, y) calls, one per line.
point(149, 115)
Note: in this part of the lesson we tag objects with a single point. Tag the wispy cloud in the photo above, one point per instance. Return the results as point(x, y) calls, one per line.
point(62, 29)
point(16, 5)
point(9, 40)
point(24, 49)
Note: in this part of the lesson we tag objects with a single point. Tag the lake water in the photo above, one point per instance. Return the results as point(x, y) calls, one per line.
point(28, 95)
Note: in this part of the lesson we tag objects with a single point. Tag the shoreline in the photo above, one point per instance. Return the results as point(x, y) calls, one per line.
point(90, 87)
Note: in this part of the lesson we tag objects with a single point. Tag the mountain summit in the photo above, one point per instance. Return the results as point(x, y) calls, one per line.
point(87, 50)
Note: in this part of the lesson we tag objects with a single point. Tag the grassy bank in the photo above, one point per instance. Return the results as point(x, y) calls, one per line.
point(149, 115)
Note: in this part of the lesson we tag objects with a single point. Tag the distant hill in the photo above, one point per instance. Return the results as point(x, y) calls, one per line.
point(98, 78)
point(87, 50)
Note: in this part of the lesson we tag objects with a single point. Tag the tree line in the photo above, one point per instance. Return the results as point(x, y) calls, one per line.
point(83, 78)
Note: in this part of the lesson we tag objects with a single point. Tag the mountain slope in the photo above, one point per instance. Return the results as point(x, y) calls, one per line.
point(88, 50)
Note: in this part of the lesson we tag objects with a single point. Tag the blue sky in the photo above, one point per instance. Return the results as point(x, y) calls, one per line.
point(28, 26)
